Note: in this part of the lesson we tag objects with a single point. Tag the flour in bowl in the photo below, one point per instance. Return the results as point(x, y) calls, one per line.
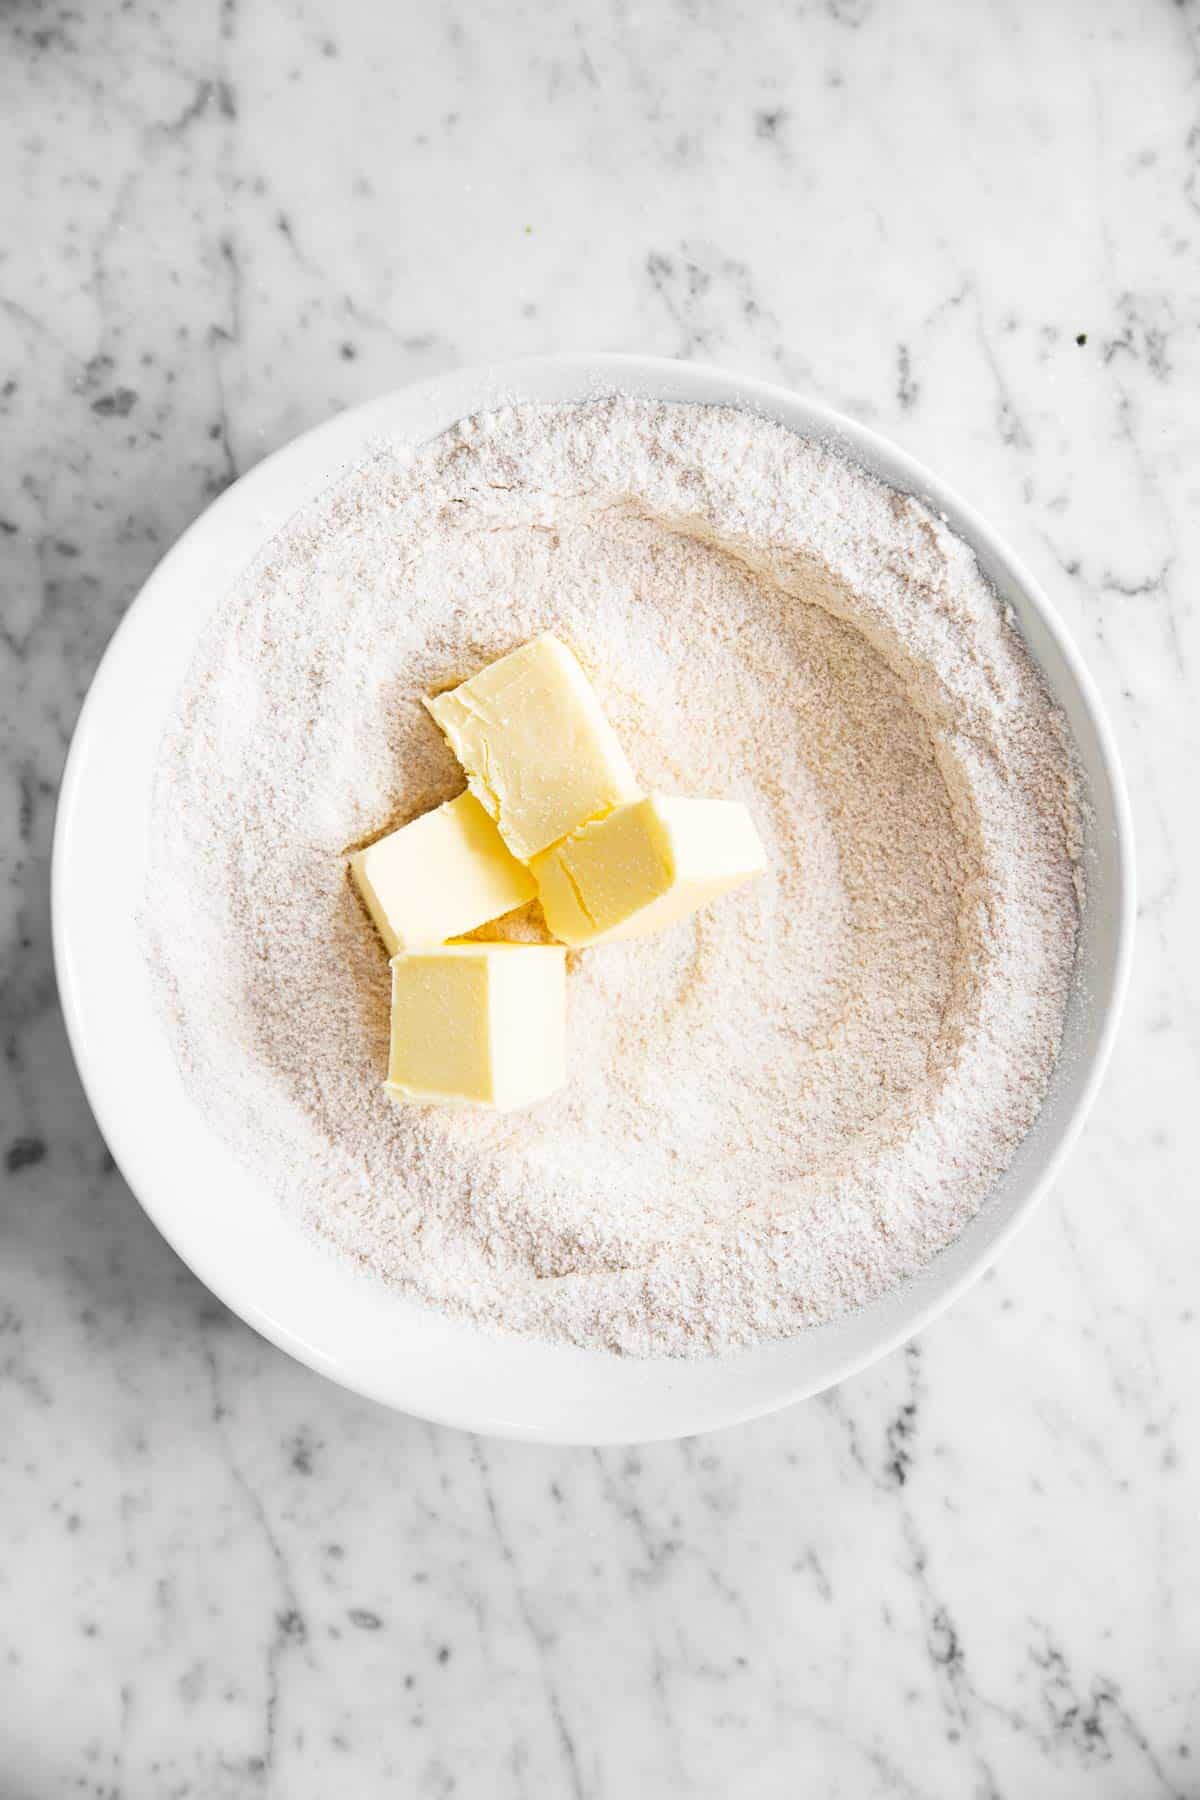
point(777, 1110)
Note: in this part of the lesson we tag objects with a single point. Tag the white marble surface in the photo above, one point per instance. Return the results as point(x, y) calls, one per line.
point(973, 1571)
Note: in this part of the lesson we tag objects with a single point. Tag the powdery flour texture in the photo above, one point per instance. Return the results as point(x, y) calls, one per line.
point(777, 1110)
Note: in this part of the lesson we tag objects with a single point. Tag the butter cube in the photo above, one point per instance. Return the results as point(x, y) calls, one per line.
point(481, 1023)
point(644, 867)
point(538, 751)
point(439, 877)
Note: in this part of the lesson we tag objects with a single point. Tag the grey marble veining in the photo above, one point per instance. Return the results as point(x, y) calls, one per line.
point(973, 1570)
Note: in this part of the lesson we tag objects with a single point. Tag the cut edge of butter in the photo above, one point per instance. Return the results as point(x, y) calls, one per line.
point(539, 753)
point(440, 876)
point(478, 1024)
point(645, 866)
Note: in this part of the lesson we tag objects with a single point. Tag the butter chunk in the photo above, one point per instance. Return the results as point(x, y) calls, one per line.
point(439, 877)
point(478, 1023)
point(538, 751)
point(645, 866)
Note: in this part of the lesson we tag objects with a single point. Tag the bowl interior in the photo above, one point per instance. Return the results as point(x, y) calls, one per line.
point(234, 1236)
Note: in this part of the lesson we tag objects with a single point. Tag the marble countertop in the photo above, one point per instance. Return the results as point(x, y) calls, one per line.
point(974, 1570)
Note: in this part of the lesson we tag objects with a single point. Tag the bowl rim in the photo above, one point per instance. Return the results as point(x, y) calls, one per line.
point(598, 374)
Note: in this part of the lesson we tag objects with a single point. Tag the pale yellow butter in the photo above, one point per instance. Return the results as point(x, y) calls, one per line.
point(538, 751)
point(439, 877)
point(645, 866)
point(483, 1023)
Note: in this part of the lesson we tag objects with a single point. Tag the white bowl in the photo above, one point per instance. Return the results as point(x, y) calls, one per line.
point(209, 1208)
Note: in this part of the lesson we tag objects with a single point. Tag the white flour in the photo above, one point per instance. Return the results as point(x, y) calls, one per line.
point(775, 1111)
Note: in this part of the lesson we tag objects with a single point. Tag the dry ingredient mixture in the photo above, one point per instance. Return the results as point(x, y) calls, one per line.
point(777, 1110)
